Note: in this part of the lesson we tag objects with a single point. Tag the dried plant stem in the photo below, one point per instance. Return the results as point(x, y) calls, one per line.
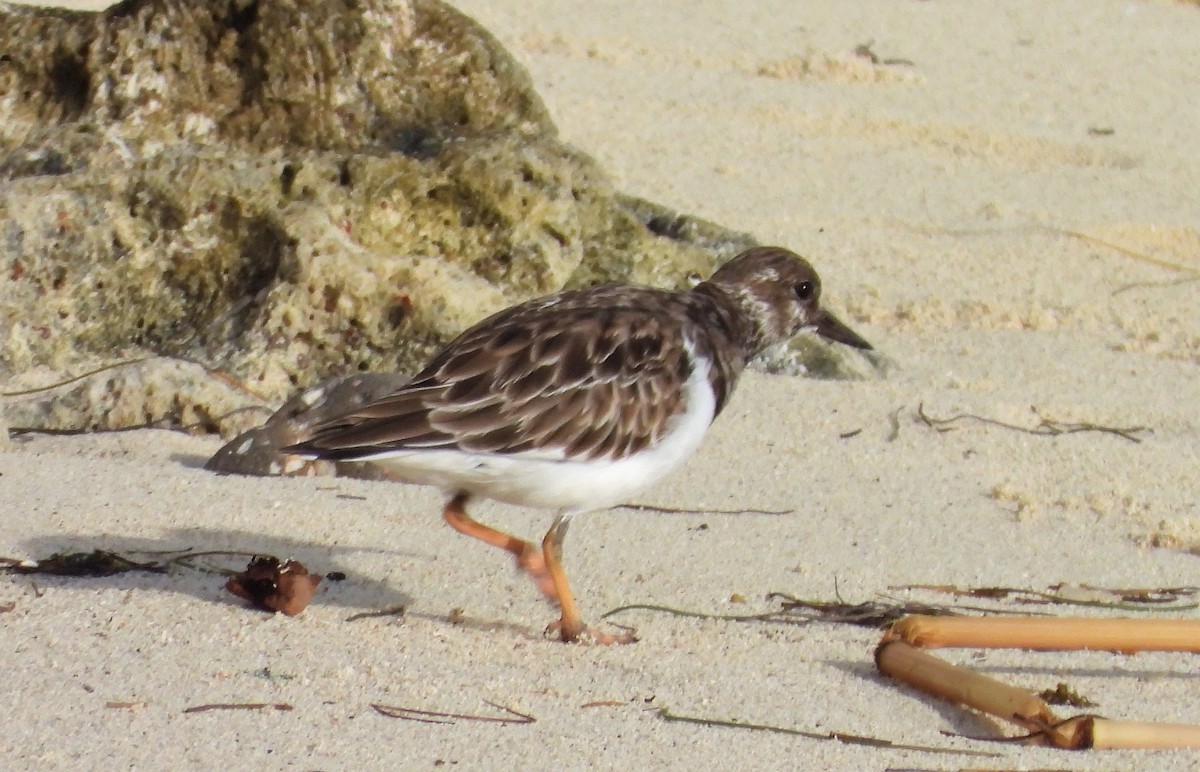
point(1139, 256)
point(899, 660)
point(220, 375)
point(1046, 427)
point(958, 685)
point(842, 737)
point(75, 379)
point(1152, 600)
point(281, 706)
point(683, 511)
point(1140, 734)
point(1050, 633)
point(438, 717)
point(770, 616)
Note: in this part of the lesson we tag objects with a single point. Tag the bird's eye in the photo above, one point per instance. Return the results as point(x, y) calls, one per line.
point(804, 290)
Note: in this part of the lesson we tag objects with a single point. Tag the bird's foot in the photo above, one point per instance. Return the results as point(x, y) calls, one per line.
point(589, 635)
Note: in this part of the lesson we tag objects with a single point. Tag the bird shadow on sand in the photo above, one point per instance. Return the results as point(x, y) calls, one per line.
point(204, 575)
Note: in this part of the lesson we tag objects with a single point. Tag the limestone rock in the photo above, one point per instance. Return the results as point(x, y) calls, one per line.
point(282, 192)
point(143, 392)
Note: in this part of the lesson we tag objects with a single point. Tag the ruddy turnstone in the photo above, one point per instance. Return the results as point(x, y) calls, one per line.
point(576, 401)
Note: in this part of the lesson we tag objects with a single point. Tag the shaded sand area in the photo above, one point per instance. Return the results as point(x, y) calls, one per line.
point(1000, 198)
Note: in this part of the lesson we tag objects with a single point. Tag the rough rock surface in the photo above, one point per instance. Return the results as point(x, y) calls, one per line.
point(260, 195)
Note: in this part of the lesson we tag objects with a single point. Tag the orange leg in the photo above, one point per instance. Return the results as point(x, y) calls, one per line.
point(570, 626)
point(528, 557)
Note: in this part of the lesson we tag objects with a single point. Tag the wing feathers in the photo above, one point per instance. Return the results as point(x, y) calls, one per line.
point(595, 373)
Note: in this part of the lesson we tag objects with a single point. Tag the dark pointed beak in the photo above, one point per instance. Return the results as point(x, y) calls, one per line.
point(830, 327)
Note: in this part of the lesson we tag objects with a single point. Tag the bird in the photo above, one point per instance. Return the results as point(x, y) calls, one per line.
point(576, 401)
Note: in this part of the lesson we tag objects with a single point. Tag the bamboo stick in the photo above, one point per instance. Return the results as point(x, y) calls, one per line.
point(959, 685)
point(1140, 734)
point(897, 658)
point(1049, 633)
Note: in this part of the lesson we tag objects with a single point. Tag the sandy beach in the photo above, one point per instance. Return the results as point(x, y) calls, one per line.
point(1000, 197)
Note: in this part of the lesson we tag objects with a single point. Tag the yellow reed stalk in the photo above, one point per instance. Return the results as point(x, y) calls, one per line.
point(1049, 633)
point(897, 658)
point(1106, 733)
point(961, 686)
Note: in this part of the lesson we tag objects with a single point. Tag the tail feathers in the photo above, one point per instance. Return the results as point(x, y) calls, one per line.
point(313, 450)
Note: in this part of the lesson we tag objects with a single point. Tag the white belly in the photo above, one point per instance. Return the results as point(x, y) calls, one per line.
point(528, 479)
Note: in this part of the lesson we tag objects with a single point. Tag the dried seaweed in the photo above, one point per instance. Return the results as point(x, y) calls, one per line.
point(1144, 599)
point(438, 717)
point(280, 706)
point(683, 511)
point(1062, 694)
point(769, 616)
point(1046, 427)
point(391, 611)
point(92, 564)
point(886, 610)
point(866, 614)
point(795, 611)
point(842, 737)
point(271, 584)
point(99, 563)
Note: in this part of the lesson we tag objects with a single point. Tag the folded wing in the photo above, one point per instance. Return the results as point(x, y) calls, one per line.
point(585, 376)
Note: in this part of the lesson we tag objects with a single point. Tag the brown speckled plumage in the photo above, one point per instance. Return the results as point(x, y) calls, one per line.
point(593, 373)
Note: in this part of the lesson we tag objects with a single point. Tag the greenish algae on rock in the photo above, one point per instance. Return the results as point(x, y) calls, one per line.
point(253, 196)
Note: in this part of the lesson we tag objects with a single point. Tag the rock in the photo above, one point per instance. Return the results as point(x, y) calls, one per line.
point(5, 440)
point(142, 392)
point(278, 202)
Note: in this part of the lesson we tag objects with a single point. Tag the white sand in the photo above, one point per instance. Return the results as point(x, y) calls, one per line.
point(928, 197)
